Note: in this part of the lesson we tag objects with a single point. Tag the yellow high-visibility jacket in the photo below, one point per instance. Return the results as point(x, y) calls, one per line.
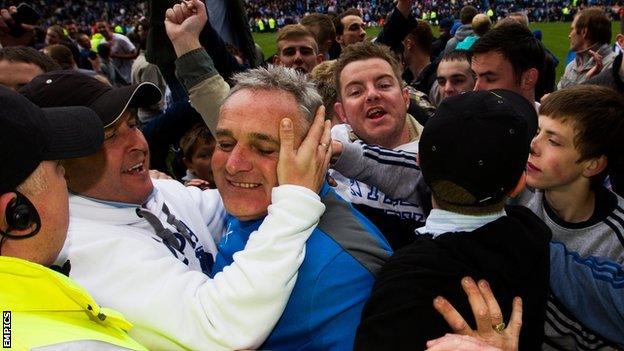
point(48, 308)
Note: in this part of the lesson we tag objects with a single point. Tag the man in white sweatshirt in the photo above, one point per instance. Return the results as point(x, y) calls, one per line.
point(146, 247)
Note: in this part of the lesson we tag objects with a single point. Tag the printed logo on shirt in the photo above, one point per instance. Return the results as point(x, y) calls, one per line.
point(371, 196)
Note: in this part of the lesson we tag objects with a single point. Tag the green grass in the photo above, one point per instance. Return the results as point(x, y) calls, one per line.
point(554, 36)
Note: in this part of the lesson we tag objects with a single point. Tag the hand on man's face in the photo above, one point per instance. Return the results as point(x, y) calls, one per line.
point(249, 161)
point(307, 164)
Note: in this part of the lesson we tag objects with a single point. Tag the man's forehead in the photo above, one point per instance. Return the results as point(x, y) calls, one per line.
point(453, 67)
point(306, 41)
point(248, 102)
point(259, 111)
point(488, 61)
point(348, 20)
point(374, 66)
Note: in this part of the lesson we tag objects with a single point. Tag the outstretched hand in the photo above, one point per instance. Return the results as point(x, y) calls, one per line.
point(306, 165)
point(491, 329)
point(183, 23)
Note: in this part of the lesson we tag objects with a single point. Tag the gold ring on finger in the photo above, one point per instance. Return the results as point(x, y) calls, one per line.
point(499, 327)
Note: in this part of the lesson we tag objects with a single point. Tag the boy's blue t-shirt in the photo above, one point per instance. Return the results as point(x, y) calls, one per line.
point(324, 309)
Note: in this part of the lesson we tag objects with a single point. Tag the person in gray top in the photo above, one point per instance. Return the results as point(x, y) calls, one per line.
point(466, 14)
point(590, 35)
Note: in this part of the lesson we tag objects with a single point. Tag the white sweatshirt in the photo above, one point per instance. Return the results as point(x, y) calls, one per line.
point(117, 256)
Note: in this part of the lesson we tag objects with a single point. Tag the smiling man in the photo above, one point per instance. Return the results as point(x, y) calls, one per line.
point(147, 247)
point(372, 104)
point(344, 252)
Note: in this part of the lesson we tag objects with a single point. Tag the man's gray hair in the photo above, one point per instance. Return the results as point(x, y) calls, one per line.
point(281, 78)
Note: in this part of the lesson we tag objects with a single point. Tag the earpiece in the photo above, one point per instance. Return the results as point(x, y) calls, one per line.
point(20, 215)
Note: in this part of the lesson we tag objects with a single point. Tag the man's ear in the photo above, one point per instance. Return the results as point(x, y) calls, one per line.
point(276, 60)
point(339, 109)
point(584, 33)
point(339, 40)
point(519, 186)
point(5, 200)
point(529, 79)
point(320, 58)
point(406, 97)
point(595, 166)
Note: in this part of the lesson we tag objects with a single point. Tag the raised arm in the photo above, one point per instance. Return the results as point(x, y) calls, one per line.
point(194, 67)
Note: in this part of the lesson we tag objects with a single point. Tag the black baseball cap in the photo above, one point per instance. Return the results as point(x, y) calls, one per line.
point(480, 141)
point(73, 88)
point(29, 135)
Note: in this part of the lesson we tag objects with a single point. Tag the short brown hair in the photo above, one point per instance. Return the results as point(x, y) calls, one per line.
point(481, 24)
point(598, 26)
point(189, 139)
point(294, 32)
point(61, 54)
point(422, 36)
point(467, 13)
point(597, 116)
point(27, 54)
point(327, 30)
point(363, 51)
point(338, 20)
point(520, 17)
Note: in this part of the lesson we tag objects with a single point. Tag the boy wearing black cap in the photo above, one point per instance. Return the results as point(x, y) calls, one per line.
point(41, 307)
point(472, 156)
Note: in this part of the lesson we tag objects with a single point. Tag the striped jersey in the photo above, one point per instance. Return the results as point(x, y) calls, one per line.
point(592, 253)
point(395, 217)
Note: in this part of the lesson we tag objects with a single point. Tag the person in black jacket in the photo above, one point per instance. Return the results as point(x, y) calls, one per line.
point(472, 155)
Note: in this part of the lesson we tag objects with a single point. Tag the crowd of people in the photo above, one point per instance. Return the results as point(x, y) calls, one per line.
point(374, 13)
point(165, 186)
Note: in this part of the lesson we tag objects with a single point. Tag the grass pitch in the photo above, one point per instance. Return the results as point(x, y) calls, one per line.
point(554, 36)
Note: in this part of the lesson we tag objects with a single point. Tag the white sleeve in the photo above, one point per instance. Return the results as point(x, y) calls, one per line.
point(173, 307)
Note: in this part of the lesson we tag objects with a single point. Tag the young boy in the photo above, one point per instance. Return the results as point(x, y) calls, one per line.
point(580, 135)
point(472, 156)
point(197, 147)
